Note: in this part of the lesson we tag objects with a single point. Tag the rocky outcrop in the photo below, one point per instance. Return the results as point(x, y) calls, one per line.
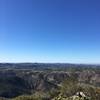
point(78, 96)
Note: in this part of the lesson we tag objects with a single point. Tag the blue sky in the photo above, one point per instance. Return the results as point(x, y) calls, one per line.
point(50, 31)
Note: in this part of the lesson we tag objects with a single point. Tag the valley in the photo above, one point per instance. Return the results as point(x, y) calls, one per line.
point(48, 80)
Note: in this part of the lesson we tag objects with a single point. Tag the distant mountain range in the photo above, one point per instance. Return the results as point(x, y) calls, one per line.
point(46, 65)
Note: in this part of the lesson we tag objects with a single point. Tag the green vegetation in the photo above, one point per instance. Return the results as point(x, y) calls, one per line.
point(67, 91)
point(49, 82)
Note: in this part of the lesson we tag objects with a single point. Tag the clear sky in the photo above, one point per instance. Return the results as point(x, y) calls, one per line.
point(50, 31)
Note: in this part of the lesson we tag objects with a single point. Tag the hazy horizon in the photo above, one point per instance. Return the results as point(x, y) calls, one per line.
point(49, 63)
